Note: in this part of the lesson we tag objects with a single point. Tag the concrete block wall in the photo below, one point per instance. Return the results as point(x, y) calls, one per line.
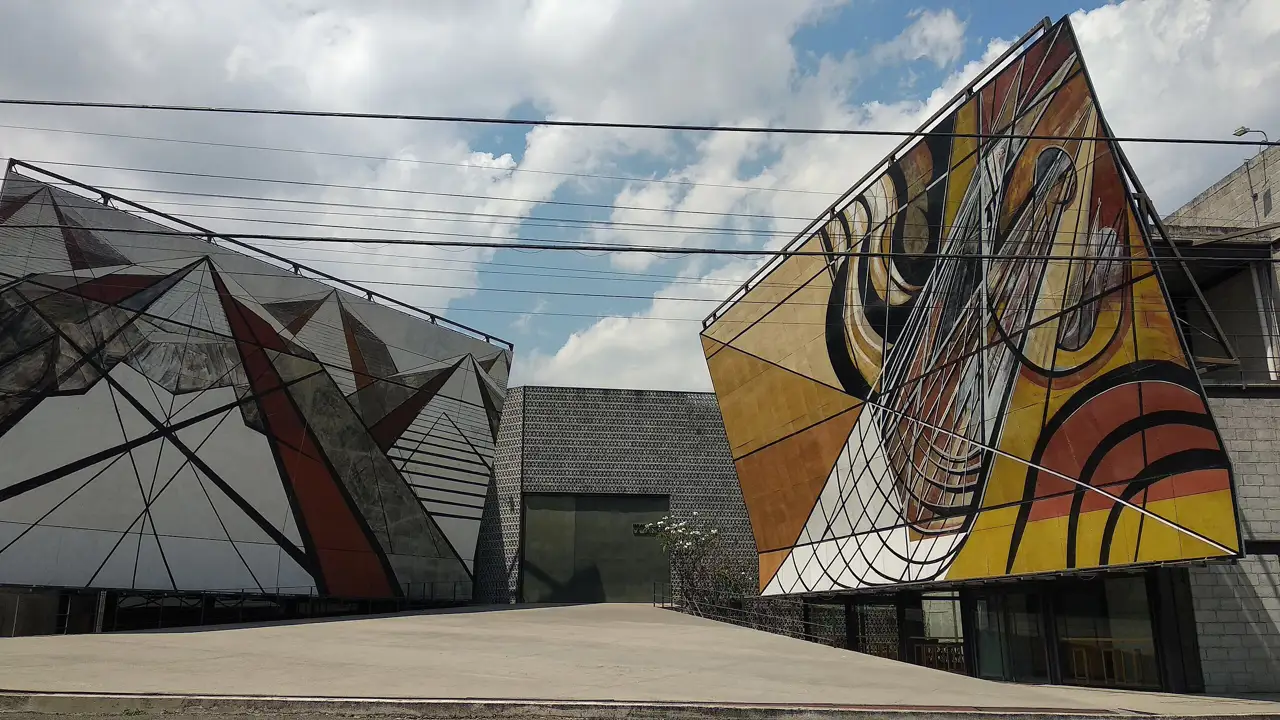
point(1237, 606)
point(1240, 198)
point(1237, 610)
point(1250, 427)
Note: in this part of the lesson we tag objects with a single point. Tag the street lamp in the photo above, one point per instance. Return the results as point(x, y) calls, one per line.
point(1244, 130)
point(1266, 197)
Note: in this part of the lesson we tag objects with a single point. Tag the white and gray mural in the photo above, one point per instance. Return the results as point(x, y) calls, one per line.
point(178, 415)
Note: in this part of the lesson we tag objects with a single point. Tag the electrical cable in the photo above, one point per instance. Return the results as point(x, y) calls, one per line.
point(580, 247)
point(547, 122)
point(650, 297)
point(470, 166)
point(405, 191)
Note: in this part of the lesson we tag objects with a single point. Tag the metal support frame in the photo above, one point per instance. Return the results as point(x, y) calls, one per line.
point(1153, 220)
point(107, 199)
point(1245, 232)
point(959, 98)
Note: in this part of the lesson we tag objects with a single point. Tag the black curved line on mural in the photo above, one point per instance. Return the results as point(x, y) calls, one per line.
point(1108, 443)
point(1010, 343)
point(885, 319)
point(1142, 370)
point(914, 268)
point(942, 564)
point(1175, 463)
point(837, 340)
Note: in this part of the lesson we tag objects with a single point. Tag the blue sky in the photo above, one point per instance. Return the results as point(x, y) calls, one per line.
point(849, 29)
point(1173, 68)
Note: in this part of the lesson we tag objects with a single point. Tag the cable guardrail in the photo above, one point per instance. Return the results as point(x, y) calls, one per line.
point(822, 624)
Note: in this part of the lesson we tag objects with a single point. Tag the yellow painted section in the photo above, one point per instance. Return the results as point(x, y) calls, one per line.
point(1044, 542)
point(793, 334)
point(963, 160)
point(762, 403)
point(773, 288)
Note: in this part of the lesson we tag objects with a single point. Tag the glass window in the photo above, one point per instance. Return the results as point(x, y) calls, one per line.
point(941, 644)
point(1105, 636)
point(1010, 641)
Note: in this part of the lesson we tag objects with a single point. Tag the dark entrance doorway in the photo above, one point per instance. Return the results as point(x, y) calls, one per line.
point(587, 548)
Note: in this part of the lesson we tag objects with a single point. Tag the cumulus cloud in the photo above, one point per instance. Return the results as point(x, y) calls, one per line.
point(1162, 67)
point(672, 61)
point(938, 36)
point(1171, 68)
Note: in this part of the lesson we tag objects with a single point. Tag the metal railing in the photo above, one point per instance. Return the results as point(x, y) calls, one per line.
point(823, 624)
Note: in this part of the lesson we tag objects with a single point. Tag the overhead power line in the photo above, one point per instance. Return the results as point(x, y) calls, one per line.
point(547, 122)
point(426, 211)
point(1138, 305)
point(600, 247)
point(417, 161)
point(404, 191)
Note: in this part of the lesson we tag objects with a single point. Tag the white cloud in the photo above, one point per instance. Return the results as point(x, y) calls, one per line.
point(613, 59)
point(649, 350)
point(1162, 67)
point(934, 35)
point(1176, 68)
point(1184, 68)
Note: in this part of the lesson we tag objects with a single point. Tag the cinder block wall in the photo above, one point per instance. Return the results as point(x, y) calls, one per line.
point(1237, 607)
point(1238, 200)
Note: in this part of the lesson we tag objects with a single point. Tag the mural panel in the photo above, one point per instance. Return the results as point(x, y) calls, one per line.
point(987, 380)
point(176, 415)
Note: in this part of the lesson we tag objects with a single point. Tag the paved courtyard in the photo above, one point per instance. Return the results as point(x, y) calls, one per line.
point(630, 653)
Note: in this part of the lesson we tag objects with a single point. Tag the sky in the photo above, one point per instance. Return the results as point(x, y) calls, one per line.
point(1165, 68)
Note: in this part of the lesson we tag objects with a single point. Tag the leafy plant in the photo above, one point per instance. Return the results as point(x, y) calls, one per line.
point(704, 579)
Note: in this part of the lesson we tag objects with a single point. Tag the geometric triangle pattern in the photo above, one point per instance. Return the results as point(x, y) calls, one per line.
point(1017, 395)
point(175, 415)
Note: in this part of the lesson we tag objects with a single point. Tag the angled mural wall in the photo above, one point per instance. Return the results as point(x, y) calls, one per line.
point(177, 415)
point(987, 380)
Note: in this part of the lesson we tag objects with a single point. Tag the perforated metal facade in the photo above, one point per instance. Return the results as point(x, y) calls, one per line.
point(588, 440)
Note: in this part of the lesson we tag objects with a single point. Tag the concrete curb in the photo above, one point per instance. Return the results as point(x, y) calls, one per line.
point(21, 705)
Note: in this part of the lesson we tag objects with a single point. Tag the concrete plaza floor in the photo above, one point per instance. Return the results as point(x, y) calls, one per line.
point(629, 653)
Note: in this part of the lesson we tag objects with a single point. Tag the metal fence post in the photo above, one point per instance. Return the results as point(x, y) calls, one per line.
point(99, 611)
point(17, 606)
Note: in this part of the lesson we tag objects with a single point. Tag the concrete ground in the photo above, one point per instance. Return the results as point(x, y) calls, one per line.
point(625, 653)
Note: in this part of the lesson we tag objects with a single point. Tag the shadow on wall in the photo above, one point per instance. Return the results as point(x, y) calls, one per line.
point(584, 586)
point(1238, 614)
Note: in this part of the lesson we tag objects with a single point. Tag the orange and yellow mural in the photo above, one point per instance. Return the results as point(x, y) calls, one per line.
point(972, 370)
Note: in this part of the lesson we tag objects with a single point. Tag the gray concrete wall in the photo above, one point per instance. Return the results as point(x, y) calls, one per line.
point(1250, 427)
point(1239, 199)
point(587, 440)
point(1237, 607)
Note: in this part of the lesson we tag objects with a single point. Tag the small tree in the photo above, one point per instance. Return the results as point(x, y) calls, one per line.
point(704, 581)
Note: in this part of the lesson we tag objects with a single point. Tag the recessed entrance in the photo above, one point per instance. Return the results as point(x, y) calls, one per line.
point(589, 548)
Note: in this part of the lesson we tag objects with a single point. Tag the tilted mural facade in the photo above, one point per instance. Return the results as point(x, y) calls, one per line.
point(177, 415)
point(988, 379)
